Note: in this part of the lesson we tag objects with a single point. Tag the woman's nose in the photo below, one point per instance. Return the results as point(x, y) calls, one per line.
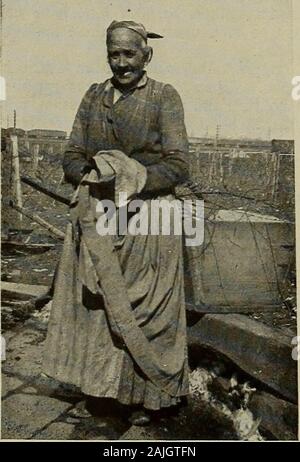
point(122, 61)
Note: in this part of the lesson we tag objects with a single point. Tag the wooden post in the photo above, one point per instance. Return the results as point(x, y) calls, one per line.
point(27, 146)
point(277, 178)
point(221, 167)
point(16, 173)
point(35, 159)
point(276, 166)
point(7, 215)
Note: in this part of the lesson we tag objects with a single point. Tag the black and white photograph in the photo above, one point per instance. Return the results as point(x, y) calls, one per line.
point(148, 239)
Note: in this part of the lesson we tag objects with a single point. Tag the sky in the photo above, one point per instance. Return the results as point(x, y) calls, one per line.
point(230, 60)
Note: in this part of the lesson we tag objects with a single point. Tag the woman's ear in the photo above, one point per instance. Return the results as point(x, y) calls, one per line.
point(148, 55)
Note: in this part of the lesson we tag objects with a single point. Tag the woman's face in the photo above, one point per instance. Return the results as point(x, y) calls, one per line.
point(127, 56)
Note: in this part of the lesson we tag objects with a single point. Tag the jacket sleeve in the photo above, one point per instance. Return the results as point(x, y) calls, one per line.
point(75, 163)
point(173, 167)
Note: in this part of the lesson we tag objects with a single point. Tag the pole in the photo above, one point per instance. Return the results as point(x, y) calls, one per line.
point(16, 173)
point(49, 192)
point(52, 229)
point(35, 159)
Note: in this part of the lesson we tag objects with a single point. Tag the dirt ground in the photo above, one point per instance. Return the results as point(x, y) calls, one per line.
point(35, 406)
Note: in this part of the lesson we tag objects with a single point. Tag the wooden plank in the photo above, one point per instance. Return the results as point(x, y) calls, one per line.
point(21, 291)
point(277, 416)
point(10, 246)
point(52, 229)
point(261, 351)
point(242, 266)
point(224, 309)
point(46, 190)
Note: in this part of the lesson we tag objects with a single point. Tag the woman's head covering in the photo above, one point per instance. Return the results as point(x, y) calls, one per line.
point(136, 27)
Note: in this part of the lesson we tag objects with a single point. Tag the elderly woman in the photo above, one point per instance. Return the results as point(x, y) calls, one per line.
point(117, 327)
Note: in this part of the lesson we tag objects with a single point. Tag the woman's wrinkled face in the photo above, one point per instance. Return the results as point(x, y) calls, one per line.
point(127, 56)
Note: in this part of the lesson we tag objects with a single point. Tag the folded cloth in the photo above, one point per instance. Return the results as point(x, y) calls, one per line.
point(130, 176)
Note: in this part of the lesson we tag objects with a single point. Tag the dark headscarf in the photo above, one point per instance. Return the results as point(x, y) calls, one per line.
point(136, 27)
